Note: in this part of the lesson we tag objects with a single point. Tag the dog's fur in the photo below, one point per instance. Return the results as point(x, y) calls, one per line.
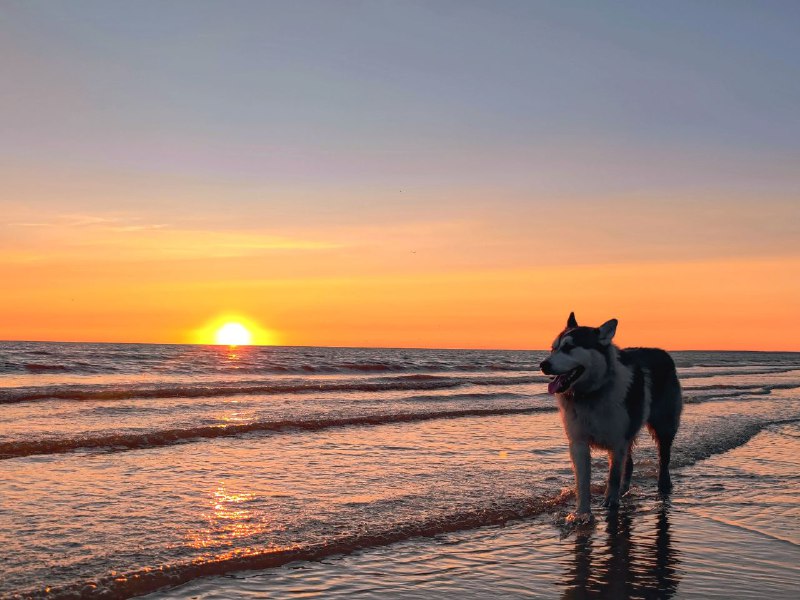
point(605, 396)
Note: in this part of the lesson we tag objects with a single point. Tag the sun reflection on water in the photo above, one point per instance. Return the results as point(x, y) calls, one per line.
point(230, 518)
point(235, 417)
point(234, 355)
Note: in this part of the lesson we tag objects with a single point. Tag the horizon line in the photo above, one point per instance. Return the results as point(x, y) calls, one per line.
point(364, 347)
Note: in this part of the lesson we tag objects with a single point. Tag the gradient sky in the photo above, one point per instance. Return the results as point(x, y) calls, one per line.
point(435, 174)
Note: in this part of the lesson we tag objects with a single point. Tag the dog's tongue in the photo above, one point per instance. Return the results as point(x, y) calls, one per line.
point(555, 385)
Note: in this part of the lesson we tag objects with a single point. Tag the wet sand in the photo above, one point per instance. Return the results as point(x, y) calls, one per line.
point(730, 530)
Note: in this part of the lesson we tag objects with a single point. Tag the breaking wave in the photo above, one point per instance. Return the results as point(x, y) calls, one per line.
point(42, 368)
point(223, 388)
point(169, 437)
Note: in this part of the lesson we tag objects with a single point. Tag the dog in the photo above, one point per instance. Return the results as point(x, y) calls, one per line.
point(605, 395)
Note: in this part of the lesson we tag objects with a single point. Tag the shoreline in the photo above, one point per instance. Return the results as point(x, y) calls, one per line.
point(709, 540)
point(649, 550)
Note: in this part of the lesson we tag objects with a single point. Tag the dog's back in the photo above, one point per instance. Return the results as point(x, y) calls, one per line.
point(666, 401)
point(665, 390)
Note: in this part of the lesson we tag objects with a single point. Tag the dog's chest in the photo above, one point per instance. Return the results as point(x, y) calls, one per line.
point(602, 423)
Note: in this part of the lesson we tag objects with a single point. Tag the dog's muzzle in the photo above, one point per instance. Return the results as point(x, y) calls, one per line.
point(563, 381)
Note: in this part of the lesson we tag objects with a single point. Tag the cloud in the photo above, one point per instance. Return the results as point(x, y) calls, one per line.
point(131, 237)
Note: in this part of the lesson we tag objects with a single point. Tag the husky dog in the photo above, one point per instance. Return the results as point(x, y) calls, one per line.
point(605, 395)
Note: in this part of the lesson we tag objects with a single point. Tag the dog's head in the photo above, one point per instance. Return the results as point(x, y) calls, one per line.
point(579, 358)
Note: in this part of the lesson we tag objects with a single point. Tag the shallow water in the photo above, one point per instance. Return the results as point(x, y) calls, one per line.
point(136, 467)
point(719, 537)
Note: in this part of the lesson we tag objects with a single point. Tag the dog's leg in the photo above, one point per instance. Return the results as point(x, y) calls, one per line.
point(664, 452)
point(582, 464)
point(615, 459)
point(627, 472)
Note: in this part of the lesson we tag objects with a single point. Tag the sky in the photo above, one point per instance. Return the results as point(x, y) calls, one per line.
point(401, 173)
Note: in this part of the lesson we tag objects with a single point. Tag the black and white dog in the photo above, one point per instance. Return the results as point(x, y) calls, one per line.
point(605, 395)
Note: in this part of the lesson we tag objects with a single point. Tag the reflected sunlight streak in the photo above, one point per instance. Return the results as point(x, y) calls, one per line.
point(229, 519)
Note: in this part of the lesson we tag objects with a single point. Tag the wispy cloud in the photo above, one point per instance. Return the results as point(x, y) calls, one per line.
point(119, 223)
point(124, 237)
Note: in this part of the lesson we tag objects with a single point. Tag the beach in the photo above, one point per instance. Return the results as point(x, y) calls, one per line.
point(190, 471)
point(729, 542)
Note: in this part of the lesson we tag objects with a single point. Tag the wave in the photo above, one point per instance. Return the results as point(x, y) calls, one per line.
point(40, 368)
point(728, 392)
point(91, 359)
point(204, 365)
point(215, 389)
point(467, 397)
point(731, 386)
point(492, 513)
point(169, 437)
point(724, 439)
point(741, 371)
point(700, 398)
point(419, 381)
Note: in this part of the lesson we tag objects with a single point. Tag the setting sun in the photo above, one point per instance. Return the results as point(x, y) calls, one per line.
point(233, 329)
point(233, 334)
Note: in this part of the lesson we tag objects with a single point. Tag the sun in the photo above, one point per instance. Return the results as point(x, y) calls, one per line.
point(233, 334)
point(234, 329)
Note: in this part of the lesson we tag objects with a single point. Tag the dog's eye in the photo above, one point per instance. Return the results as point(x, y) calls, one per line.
point(567, 347)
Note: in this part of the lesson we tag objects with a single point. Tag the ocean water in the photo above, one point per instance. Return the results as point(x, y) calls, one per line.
point(126, 469)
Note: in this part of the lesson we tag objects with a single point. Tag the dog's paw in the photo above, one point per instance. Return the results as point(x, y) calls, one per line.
point(575, 524)
point(609, 502)
point(576, 518)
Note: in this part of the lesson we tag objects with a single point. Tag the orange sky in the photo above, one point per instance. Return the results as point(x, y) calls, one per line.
point(401, 174)
point(86, 279)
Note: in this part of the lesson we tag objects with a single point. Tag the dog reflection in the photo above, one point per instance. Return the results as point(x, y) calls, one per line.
point(624, 565)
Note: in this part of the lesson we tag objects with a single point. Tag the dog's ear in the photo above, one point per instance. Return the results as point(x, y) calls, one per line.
point(572, 322)
point(607, 331)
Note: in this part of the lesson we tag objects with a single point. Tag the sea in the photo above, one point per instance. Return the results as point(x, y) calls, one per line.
point(132, 469)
